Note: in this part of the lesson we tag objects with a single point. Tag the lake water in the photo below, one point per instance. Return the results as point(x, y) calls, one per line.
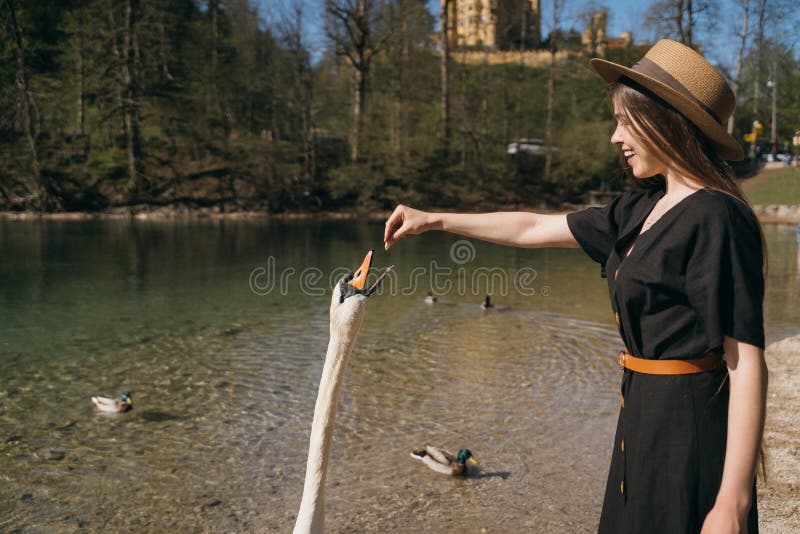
point(220, 330)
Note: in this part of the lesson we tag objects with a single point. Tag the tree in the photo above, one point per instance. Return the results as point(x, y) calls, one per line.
point(302, 100)
point(76, 22)
point(28, 110)
point(680, 19)
point(762, 16)
point(130, 96)
point(740, 56)
point(350, 25)
point(215, 105)
point(444, 51)
point(558, 6)
point(124, 47)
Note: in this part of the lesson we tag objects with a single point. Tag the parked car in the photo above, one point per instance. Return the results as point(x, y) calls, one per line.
point(785, 158)
point(527, 146)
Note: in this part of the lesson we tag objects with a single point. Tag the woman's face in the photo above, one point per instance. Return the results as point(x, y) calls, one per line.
point(643, 163)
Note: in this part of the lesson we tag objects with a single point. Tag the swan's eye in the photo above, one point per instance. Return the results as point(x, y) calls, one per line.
point(346, 289)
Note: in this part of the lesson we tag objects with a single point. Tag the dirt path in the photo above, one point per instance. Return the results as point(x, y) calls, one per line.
point(779, 498)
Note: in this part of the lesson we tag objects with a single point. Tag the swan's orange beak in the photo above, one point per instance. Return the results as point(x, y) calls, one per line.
point(360, 276)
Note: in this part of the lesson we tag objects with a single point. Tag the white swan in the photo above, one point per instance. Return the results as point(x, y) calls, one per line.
point(347, 312)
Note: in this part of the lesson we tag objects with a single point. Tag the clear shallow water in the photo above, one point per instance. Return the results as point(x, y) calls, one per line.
point(225, 378)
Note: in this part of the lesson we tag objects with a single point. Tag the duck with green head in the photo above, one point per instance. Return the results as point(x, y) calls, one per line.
point(441, 461)
point(109, 405)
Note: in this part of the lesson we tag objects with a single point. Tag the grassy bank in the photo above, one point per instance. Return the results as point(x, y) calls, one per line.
point(774, 186)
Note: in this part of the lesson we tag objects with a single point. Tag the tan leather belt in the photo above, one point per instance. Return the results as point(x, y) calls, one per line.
point(669, 367)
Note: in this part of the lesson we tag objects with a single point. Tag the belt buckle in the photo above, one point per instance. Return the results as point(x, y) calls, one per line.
point(622, 360)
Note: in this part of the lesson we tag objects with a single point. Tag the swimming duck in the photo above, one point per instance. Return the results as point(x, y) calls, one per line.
point(107, 404)
point(430, 299)
point(441, 461)
point(487, 303)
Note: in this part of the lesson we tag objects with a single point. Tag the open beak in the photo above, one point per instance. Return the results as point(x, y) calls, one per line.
point(360, 276)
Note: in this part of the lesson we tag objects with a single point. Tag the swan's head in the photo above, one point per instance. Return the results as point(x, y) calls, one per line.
point(350, 296)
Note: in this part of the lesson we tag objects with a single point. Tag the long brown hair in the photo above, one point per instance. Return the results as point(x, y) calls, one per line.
point(663, 131)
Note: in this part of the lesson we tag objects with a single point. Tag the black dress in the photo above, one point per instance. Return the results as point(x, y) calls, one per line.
point(694, 277)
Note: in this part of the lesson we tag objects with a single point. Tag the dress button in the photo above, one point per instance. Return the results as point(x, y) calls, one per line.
point(622, 487)
point(616, 317)
point(622, 446)
point(622, 401)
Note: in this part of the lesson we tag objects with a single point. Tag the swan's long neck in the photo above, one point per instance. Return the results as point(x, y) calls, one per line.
point(311, 517)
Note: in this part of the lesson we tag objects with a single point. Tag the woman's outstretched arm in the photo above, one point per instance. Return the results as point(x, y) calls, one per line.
point(746, 411)
point(519, 229)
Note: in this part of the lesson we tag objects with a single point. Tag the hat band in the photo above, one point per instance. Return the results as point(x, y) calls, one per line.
point(654, 70)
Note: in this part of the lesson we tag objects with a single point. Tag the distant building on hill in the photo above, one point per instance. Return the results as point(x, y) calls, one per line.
point(494, 24)
point(506, 31)
point(595, 41)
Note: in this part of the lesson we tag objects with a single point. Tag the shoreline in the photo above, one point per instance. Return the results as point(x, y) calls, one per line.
point(170, 214)
point(779, 496)
point(767, 214)
point(777, 213)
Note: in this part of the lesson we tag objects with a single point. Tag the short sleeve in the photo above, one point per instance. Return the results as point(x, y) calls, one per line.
point(596, 230)
point(724, 276)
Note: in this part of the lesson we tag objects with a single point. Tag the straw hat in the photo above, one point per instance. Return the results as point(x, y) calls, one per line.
point(688, 82)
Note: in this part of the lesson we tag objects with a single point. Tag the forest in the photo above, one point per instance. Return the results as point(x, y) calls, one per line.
point(188, 104)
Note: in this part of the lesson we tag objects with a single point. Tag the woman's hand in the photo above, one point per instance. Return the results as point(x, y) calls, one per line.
point(725, 519)
point(405, 221)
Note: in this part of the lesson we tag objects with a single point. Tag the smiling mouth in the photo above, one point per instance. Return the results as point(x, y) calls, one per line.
point(628, 154)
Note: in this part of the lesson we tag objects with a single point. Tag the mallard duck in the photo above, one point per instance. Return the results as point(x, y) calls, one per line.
point(107, 404)
point(430, 299)
point(441, 461)
point(487, 303)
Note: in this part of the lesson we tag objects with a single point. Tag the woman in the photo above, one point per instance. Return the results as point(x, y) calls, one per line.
point(684, 254)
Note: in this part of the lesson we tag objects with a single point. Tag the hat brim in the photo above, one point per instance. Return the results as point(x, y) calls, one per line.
point(727, 146)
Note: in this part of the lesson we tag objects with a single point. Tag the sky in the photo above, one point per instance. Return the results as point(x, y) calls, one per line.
point(624, 15)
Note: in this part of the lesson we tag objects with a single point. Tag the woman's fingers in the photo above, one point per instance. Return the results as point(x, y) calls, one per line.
point(394, 221)
point(403, 221)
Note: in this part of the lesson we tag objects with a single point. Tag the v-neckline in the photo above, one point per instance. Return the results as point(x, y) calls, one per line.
point(641, 222)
